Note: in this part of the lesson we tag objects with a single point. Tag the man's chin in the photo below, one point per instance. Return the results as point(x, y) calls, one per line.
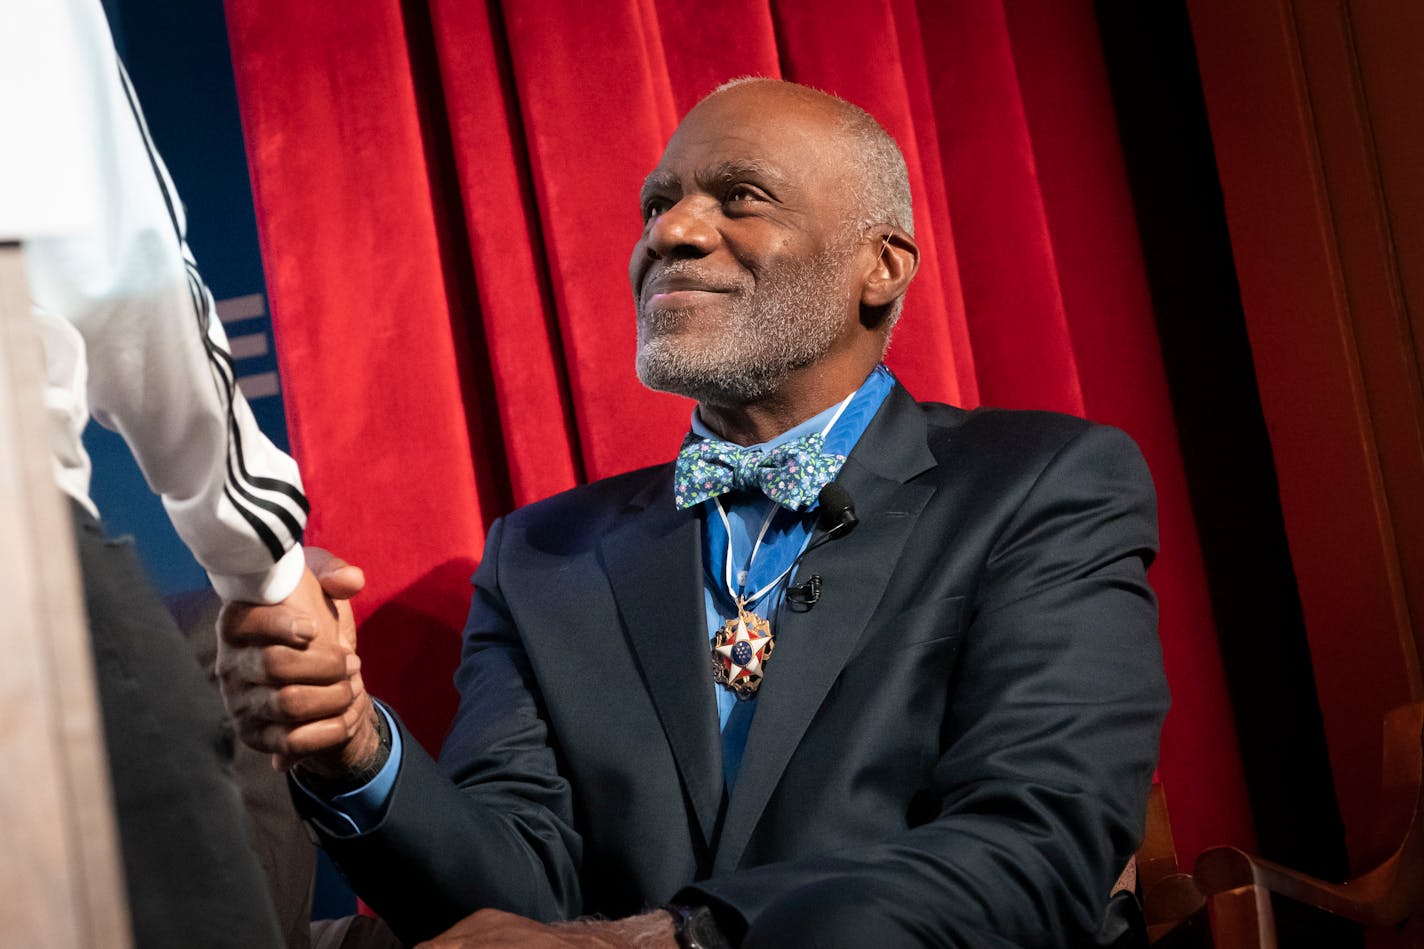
point(659, 377)
point(720, 386)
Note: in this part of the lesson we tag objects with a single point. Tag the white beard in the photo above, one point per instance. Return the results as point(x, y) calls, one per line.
point(788, 322)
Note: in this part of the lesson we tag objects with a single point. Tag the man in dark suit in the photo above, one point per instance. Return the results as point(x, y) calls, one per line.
point(922, 709)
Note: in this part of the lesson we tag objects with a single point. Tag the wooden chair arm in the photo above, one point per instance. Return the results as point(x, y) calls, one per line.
point(1383, 896)
point(1171, 900)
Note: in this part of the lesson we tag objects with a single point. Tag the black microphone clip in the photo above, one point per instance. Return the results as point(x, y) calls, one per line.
point(805, 594)
point(837, 518)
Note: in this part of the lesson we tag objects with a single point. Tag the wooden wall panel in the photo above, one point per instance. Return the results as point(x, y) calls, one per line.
point(59, 866)
point(1387, 36)
point(1315, 112)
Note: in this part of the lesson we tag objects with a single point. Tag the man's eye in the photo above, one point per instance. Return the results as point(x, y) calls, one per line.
point(743, 193)
point(653, 207)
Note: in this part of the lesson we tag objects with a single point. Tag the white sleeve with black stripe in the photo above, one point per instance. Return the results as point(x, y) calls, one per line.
point(159, 371)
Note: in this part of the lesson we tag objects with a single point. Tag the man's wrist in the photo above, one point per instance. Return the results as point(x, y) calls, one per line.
point(696, 928)
point(651, 930)
point(359, 770)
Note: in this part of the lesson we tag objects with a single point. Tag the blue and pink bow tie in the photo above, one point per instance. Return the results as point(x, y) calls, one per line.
point(792, 475)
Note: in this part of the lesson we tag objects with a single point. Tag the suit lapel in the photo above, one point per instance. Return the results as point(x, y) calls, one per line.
point(812, 647)
point(654, 562)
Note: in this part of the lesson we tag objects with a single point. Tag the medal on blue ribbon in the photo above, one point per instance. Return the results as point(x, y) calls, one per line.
point(740, 651)
point(743, 646)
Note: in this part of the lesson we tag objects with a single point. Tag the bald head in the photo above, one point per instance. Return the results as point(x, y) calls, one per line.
point(877, 179)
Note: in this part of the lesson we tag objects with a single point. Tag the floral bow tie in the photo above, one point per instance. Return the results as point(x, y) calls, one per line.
point(791, 475)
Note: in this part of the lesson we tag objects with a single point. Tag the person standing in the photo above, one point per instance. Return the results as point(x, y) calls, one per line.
point(130, 336)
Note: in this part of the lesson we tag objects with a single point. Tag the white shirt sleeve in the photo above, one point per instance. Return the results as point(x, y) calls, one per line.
point(121, 303)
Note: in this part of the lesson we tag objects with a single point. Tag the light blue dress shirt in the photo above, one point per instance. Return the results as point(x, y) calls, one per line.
point(786, 536)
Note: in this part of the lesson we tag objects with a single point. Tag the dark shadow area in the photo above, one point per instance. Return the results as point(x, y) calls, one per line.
point(300, 891)
point(472, 354)
point(1231, 474)
point(411, 645)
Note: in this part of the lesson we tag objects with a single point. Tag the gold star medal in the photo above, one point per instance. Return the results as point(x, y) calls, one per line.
point(740, 651)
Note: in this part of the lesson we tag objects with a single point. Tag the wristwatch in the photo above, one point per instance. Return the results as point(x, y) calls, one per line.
point(328, 787)
point(697, 928)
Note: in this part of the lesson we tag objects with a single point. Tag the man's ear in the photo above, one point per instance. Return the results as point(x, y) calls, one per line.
point(897, 259)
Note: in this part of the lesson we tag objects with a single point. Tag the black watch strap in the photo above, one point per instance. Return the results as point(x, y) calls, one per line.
point(329, 787)
point(697, 928)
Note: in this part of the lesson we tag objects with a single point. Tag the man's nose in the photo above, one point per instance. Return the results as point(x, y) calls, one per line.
point(684, 230)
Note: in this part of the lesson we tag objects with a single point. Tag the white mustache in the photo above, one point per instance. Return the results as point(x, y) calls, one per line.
point(686, 271)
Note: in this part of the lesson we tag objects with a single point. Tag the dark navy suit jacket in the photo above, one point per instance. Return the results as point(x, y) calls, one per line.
point(956, 741)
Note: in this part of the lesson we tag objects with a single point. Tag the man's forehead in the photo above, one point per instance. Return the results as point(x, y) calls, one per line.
point(757, 111)
point(746, 131)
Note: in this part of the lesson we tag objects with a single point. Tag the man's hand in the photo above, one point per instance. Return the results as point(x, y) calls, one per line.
point(290, 676)
point(498, 930)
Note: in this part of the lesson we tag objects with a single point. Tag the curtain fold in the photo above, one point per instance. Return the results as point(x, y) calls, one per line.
point(517, 316)
point(1116, 352)
point(442, 363)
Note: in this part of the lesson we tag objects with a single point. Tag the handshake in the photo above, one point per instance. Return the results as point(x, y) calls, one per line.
point(291, 679)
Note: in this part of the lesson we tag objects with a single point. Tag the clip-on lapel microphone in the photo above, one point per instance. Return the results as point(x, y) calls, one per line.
point(837, 518)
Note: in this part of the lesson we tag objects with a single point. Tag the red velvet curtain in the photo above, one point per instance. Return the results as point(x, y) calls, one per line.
point(447, 196)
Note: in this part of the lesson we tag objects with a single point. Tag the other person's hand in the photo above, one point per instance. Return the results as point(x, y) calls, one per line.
point(290, 676)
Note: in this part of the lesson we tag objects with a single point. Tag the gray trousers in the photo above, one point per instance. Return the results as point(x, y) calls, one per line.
point(192, 877)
